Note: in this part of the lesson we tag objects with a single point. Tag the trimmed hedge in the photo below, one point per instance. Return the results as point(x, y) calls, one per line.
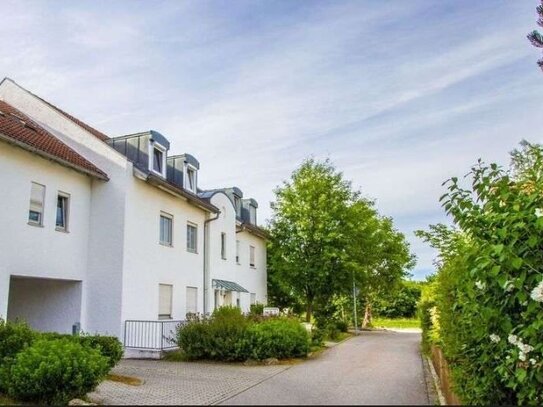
point(55, 371)
point(230, 336)
point(277, 338)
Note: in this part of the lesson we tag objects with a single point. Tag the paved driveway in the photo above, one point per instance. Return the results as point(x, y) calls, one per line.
point(379, 367)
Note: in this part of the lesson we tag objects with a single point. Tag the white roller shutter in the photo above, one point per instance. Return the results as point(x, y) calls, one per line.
point(192, 300)
point(165, 301)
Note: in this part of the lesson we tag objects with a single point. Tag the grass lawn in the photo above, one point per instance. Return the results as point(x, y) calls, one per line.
point(396, 323)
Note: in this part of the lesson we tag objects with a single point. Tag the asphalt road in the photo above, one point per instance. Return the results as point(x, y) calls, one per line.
point(378, 367)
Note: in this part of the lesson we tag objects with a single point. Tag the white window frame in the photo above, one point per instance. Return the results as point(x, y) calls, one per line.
point(152, 146)
point(67, 199)
point(252, 257)
point(193, 169)
point(162, 316)
point(238, 245)
point(170, 217)
point(237, 205)
point(223, 245)
point(40, 221)
point(195, 226)
point(252, 215)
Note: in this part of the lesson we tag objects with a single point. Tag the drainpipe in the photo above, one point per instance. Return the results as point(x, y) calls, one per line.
point(206, 241)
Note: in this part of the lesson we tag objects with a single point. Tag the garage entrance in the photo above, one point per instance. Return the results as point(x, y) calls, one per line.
point(49, 305)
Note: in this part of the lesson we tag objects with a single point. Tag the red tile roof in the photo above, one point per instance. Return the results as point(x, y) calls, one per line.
point(19, 129)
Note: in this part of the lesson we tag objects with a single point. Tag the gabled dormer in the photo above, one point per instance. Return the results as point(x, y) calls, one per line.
point(148, 150)
point(183, 172)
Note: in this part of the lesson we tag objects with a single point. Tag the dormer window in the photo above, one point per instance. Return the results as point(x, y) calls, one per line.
point(158, 159)
point(252, 215)
point(190, 181)
point(237, 204)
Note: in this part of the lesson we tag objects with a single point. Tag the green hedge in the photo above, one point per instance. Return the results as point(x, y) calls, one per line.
point(277, 338)
point(55, 371)
point(230, 336)
point(488, 313)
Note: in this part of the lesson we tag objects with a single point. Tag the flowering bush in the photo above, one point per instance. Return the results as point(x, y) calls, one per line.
point(489, 294)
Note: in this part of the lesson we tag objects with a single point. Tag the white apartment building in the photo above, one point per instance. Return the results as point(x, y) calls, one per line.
point(113, 235)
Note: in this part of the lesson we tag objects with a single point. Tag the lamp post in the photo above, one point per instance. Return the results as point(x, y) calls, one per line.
point(355, 293)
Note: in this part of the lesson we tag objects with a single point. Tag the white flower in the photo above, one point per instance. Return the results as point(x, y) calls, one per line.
point(525, 348)
point(537, 292)
point(508, 286)
point(533, 361)
point(480, 285)
point(495, 338)
point(512, 339)
point(507, 357)
point(522, 356)
point(539, 212)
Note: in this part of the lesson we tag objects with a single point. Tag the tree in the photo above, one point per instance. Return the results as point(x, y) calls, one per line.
point(310, 217)
point(324, 236)
point(535, 37)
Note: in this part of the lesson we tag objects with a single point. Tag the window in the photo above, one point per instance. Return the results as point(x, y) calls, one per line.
point(191, 179)
point(237, 204)
point(192, 300)
point(166, 222)
point(237, 251)
point(238, 301)
point(62, 211)
point(157, 160)
point(252, 215)
point(223, 246)
point(251, 256)
point(37, 197)
point(192, 237)
point(165, 301)
point(253, 298)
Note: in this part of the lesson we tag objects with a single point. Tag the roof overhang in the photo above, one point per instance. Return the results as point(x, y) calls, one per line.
point(51, 157)
point(255, 230)
point(166, 186)
point(227, 286)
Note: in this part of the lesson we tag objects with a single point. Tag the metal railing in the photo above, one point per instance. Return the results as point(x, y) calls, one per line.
point(156, 335)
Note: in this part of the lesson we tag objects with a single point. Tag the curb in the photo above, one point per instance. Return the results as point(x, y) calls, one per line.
point(437, 384)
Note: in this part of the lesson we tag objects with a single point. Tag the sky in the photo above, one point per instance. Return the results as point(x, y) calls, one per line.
point(400, 95)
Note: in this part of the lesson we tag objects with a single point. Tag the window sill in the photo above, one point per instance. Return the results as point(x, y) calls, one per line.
point(164, 318)
point(35, 224)
point(253, 267)
point(165, 244)
point(192, 251)
point(63, 230)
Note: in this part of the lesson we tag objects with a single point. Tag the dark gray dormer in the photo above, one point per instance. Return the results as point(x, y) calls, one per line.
point(236, 195)
point(147, 150)
point(183, 172)
point(248, 210)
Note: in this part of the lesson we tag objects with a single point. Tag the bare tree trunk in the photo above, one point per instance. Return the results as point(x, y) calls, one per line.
point(367, 316)
point(309, 311)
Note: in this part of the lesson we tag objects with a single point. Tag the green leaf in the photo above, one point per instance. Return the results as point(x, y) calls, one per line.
point(517, 263)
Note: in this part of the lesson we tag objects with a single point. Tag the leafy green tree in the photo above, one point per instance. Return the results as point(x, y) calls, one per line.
point(535, 37)
point(310, 217)
point(400, 303)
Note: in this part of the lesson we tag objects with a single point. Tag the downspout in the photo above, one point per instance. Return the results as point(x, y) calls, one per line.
point(206, 241)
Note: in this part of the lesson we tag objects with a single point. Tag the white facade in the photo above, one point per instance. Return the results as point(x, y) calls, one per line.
point(107, 268)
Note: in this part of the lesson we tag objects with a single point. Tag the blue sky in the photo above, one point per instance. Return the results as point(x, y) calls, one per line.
point(400, 95)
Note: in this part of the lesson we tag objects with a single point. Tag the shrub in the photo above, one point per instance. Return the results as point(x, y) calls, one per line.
point(14, 337)
point(108, 346)
point(317, 336)
point(194, 339)
point(257, 309)
point(342, 325)
point(55, 371)
point(489, 282)
point(277, 338)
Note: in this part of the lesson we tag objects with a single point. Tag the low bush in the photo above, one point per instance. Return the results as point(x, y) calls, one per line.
point(14, 337)
point(230, 336)
point(108, 346)
point(55, 371)
point(277, 338)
